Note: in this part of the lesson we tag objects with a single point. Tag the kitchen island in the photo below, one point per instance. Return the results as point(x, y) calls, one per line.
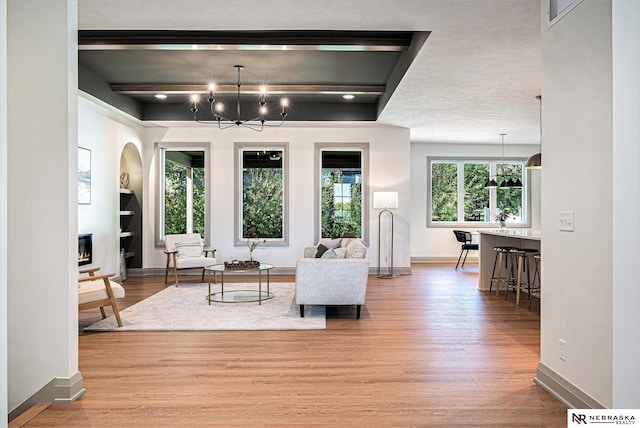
point(521, 238)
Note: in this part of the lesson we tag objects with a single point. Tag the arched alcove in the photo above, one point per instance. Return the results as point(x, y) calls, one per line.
point(131, 206)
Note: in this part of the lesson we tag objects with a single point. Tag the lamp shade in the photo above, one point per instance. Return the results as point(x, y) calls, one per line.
point(384, 200)
point(534, 162)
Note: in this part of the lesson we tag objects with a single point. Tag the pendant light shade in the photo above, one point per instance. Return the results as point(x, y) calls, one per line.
point(535, 161)
point(491, 183)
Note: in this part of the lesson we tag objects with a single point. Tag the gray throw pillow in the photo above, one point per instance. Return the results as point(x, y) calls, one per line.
point(320, 251)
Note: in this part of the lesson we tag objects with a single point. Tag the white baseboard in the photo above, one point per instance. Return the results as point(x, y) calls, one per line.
point(569, 394)
point(58, 390)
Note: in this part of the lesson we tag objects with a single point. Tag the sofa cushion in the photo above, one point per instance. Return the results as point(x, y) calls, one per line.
point(340, 253)
point(330, 243)
point(320, 250)
point(189, 249)
point(346, 241)
point(356, 250)
point(329, 254)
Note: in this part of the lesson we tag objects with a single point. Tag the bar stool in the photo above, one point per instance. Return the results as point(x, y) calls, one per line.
point(501, 263)
point(523, 261)
point(536, 286)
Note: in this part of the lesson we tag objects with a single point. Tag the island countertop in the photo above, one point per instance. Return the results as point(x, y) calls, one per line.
point(515, 233)
point(489, 238)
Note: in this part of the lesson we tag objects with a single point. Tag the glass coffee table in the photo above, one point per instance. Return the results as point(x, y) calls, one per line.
point(239, 296)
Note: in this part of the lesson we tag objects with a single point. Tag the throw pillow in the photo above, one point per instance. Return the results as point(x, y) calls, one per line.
point(189, 249)
point(340, 253)
point(320, 251)
point(330, 243)
point(346, 241)
point(329, 254)
point(356, 250)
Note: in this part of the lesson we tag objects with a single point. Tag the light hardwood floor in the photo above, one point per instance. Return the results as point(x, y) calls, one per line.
point(430, 350)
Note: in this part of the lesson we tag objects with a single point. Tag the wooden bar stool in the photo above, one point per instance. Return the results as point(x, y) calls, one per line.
point(503, 271)
point(523, 262)
point(536, 285)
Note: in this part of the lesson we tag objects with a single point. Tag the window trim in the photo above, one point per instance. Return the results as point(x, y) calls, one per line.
point(239, 241)
point(160, 149)
point(347, 147)
point(493, 162)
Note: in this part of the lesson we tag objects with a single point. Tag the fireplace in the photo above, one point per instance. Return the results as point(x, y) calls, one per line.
point(85, 249)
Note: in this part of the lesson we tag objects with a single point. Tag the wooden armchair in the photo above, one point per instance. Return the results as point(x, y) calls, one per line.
point(96, 291)
point(186, 251)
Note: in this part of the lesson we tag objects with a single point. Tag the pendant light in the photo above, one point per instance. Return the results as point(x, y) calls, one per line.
point(535, 161)
point(491, 183)
point(505, 183)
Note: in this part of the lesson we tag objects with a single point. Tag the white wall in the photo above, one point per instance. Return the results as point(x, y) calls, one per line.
point(626, 199)
point(105, 132)
point(436, 243)
point(42, 195)
point(577, 176)
point(3, 215)
point(389, 166)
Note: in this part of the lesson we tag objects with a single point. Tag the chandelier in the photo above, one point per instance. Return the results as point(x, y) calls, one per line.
point(217, 109)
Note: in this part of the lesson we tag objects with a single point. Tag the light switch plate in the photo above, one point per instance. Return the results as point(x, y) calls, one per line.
point(567, 219)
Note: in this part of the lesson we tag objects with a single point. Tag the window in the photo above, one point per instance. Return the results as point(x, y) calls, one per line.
point(458, 195)
point(261, 196)
point(340, 190)
point(182, 178)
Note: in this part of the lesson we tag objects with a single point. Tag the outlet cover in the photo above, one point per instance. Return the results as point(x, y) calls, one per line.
point(563, 350)
point(567, 219)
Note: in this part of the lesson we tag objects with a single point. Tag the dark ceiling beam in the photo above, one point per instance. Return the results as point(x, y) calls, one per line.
point(300, 112)
point(244, 40)
point(173, 89)
point(401, 67)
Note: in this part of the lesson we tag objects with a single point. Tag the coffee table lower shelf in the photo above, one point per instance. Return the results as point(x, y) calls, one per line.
point(240, 296)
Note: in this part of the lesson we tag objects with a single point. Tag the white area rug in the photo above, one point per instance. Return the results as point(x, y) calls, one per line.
point(186, 308)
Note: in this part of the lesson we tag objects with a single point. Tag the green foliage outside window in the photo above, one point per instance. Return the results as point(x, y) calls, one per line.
point(262, 203)
point(476, 201)
point(510, 198)
point(476, 196)
point(175, 200)
point(444, 192)
point(341, 202)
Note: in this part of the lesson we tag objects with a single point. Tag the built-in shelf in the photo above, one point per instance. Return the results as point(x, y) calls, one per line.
point(124, 234)
point(127, 212)
point(127, 191)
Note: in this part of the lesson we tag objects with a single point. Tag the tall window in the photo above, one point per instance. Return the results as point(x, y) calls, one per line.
point(261, 194)
point(341, 190)
point(182, 204)
point(458, 195)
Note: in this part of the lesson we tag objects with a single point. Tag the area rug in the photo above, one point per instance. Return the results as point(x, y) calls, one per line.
point(186, 308)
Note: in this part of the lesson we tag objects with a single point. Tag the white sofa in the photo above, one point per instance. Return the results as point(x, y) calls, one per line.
point(331, 281)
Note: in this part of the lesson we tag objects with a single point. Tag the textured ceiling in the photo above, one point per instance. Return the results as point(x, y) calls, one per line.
point(476, 77)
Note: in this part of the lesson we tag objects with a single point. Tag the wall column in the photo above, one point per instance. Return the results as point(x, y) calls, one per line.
point(3, 214)
point(42, 116)
point(626, 203)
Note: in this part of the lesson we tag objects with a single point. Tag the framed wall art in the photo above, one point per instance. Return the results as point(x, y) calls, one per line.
point(84, 176)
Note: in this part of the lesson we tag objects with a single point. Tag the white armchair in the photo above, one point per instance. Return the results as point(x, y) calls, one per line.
point(186, 251)
point(96, 291)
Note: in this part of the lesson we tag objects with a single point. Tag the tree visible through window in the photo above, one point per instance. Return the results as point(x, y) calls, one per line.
point(341, 193)
point(184, 192)
point(458, 193)
point(262, 194)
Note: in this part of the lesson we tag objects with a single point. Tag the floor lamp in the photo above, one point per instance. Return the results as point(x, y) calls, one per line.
point(385, 201)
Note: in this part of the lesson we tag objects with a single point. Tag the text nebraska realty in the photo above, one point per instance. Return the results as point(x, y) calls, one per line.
point(611, 419)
